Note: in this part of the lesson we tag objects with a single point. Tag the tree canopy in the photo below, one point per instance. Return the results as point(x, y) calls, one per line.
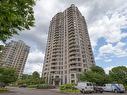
point(35, 75)
point(119, 74)
point(31, 79)
point(95, 75)
point(97, 69)
point(15, 15)
point(8, 75)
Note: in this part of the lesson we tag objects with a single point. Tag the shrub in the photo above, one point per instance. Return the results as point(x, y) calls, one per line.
point(45, 86)
point(125, 87)
point(3, 90)
point(32, 86)
point(68, 88)
point(42, 86)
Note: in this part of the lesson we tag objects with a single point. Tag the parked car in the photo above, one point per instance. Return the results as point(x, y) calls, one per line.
point(117, 88)
point(85, 87)
point(98, 89)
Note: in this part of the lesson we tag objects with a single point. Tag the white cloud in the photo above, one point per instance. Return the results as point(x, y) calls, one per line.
point(29, 69)
point(109, 27)
point(108, 69)
point(35, 56)
point(34, 62)
point(108, 60)
point(117, 50)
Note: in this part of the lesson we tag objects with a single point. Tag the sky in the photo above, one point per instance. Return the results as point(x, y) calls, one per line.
point(107, 27)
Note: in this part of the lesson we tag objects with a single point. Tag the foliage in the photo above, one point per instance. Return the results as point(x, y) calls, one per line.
point(98, 69)
point(33, 79)
point(43, 86)
point(15, 15)
point(125, 87)
point(26, 76)
point(8, 75)
point(119, 74)
point(2, 90)
point(35, 75)
point(95, 75)
point(32, 86)
point(68, 88)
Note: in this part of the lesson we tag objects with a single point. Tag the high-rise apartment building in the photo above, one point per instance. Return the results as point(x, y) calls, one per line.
point(68, 51)
point(14, 55)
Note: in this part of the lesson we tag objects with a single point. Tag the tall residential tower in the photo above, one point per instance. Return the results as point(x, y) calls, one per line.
point(68, 51)
point(14, 55)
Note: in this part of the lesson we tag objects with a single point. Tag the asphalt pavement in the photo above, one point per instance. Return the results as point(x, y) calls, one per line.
point(29, 91)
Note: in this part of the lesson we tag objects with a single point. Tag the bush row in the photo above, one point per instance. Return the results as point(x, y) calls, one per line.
point(3, 90)
point(68, 88)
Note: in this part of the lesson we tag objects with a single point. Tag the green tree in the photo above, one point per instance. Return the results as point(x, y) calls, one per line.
point(35, 75)
point(35, 78)
point(119, 74)
point(31, 79)
point(15, 15)
point(8, 75)
point(95, 75)
point(97, 69)
point(26, 76)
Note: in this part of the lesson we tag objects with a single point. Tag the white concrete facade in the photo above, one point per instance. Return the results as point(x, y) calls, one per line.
point(14, 55)
point(68, 51)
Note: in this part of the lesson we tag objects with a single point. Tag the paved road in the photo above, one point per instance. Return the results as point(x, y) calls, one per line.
point(27, 91)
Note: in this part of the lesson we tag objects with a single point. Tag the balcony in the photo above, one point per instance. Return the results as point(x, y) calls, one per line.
point(75, 70)
point(72, 53)
point(75, 66)
point(71, 36)
point(73, 42)
point(54, 55)
point(54, 63)
point(56, 52)
point(53, 66)
point(73, 50)
point(71, 26)
point(55, 69)
point(71, 62)
point(73, 57)
point(56, 45)
point(73, 47)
